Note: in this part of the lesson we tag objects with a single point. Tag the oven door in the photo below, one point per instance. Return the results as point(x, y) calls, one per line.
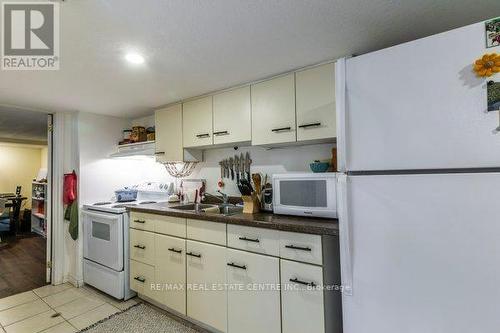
point(103, 239)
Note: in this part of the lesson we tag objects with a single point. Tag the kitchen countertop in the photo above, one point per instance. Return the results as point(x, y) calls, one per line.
point(318, 226)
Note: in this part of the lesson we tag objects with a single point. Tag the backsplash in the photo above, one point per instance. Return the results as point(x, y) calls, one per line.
point(265, 161)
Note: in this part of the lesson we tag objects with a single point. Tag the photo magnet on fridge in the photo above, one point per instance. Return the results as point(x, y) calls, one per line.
point(493, 32)
point(493, 91)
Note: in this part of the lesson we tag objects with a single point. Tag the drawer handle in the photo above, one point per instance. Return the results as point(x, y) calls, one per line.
point(281, 129)
point(298, 248)
point(139, 221)
point(193, 254)
point(311, 284)
point(205, 135)
point(232, 264)
point(174, 250)
point(142, 247)
point(310, 125)
point(140, 279)
point(221, 133)
point(254, 240)
point(160, 153)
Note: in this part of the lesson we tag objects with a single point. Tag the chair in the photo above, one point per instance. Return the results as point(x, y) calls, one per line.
point(2, 211)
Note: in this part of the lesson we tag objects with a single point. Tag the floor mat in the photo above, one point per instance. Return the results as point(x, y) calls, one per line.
point(140, 318)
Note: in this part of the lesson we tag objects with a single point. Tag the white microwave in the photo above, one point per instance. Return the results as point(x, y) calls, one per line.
point(305, 194)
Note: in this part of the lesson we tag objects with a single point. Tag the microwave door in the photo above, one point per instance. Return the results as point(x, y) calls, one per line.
point(306, 197)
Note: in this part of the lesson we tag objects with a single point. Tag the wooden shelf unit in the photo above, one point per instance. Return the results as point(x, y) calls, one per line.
point(38, 208)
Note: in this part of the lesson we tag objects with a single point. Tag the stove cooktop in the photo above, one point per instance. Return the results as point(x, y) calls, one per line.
point(117, 207)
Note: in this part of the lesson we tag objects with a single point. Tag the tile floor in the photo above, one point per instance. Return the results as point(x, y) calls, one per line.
point(33, 311)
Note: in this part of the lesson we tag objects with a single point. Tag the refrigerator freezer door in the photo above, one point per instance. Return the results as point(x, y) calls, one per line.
point(419, 105)
point(425, 253)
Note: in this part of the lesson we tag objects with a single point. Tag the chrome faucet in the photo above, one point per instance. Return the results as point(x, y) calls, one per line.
point(224, 199)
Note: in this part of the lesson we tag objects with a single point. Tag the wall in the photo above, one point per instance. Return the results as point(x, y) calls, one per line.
point(265, 161)
point(89, 140)
point(44, 158)
point(98, 137)
point(148, 121)
point(72, 251)
point(19, 164)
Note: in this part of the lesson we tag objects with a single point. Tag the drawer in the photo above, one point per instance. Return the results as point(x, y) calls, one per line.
point(302, 305)
point(170, 225)
point(142, 246)
point(252, 239)
point(142, 278)
point(205, 231)
point(301, 247)
point(141, 221)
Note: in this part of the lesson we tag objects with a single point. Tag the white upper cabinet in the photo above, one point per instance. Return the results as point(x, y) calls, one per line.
point(232, 117)
point(273, 111)
point(168, 124)
point(315, 98)
point(197, 122)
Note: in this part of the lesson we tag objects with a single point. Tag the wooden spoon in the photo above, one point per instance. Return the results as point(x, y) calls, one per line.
point(257, 182)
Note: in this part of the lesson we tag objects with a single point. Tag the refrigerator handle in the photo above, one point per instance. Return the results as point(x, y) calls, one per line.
point(344, 236)
point(340, 101)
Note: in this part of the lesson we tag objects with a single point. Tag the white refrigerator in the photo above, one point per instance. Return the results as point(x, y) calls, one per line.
point(419, 197)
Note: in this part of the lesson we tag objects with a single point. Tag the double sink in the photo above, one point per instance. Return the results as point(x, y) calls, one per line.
point(223, 209)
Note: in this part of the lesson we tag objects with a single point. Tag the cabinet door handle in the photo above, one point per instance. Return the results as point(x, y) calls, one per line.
point(160, 153)
point(293, 247)
point(281, 129)
point(221, 133)
point(174, 250)
point(142, 247)
point(140, 279)
point(193, 254)
point(232, 264)
point(311, 284)
point(254, 240)
point(205, 135)
point(139, 221)
point(310, 125)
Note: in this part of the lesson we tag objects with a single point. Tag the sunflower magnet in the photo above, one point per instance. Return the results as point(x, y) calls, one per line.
point(487, 65)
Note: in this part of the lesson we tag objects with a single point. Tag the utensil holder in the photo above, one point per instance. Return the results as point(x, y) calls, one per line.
point(251, 203)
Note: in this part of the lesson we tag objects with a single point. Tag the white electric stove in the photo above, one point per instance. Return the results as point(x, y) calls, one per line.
point(106, 238)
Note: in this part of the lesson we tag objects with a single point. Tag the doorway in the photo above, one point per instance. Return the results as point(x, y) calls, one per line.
point(25, 200)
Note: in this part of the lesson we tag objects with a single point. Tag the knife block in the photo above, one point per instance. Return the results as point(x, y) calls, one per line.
point(251, 203)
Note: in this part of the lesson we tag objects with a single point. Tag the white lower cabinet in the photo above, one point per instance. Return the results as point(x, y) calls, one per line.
point(170, 272)
point(253, 300)
point(206, 279)
point(262, 281)
point(301, 303)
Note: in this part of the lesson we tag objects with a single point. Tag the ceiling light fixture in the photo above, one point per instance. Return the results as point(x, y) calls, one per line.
point(134, 58)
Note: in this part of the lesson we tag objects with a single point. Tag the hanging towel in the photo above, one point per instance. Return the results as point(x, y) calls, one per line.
point(71, 214)
point(69, 188)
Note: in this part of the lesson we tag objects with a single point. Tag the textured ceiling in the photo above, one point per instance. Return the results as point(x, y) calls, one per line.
point(21, 125)
point(193, 47)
